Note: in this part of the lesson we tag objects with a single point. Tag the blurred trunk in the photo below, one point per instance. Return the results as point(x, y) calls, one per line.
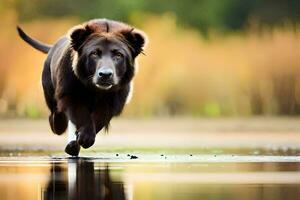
point(256, 101)
point(284, 93)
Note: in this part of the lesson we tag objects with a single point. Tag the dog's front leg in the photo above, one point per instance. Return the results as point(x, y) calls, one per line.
point(80, 116)
point(72, 147)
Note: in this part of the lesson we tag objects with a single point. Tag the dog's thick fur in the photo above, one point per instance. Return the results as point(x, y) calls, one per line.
point(73, 88)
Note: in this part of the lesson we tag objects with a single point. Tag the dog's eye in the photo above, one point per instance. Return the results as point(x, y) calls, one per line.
point(118, 55)
point(95, 53)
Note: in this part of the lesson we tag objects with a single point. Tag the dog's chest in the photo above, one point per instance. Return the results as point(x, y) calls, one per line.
point(101, 108)
point(105, 107)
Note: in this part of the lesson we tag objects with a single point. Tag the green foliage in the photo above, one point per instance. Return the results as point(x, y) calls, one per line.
point(221, 15)
point(32, 111)
point(212, 109)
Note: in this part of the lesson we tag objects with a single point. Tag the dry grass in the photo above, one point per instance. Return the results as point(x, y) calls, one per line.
point(183, 73)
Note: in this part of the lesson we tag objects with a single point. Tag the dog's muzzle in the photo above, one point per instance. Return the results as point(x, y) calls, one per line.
point(105, 78)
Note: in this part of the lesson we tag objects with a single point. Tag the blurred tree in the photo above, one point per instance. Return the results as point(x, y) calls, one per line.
point(222, 15)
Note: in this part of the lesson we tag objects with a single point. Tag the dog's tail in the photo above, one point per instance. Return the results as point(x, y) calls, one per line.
point(34, 43)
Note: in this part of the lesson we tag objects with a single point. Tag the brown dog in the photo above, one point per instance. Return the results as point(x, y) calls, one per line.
point(87, 77)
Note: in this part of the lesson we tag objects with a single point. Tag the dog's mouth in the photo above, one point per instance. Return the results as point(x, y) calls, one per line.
point(104, 85)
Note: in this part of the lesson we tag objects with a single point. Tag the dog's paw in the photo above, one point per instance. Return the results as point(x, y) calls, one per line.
point(58, 123)
point(86, 139)
point(72, 148)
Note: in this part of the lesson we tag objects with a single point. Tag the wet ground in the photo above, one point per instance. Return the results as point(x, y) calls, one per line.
point(232, 160)
point(169, 177)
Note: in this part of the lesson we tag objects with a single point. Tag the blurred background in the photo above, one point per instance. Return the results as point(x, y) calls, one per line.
point(214, 113)
point(205, 58)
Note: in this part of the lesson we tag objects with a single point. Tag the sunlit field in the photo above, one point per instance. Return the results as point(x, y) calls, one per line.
point(182, 72)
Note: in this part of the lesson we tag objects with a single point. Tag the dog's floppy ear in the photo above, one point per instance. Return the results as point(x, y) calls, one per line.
point(78, 35)
point(136, 40)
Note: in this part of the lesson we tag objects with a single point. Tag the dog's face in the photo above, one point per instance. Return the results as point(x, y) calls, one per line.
point(105, 60)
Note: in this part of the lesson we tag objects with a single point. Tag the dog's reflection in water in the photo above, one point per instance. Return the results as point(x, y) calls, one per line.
point(82, 181)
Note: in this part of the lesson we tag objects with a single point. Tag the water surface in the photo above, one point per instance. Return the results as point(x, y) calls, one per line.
point(167, 177)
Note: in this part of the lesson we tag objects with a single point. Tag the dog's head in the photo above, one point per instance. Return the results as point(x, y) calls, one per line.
point(105, 52)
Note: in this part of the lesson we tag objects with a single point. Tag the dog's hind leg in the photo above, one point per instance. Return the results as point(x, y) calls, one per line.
point(58, 120)
point(72, 147)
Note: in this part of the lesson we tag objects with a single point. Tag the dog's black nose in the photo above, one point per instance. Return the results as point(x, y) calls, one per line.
point(105, 72)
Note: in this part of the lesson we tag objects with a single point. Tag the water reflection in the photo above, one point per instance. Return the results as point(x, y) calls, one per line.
point(93, 179)
point(82, 181)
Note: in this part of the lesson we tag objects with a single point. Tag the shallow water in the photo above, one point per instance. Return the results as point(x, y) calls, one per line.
point(183, 159)
point(151, 177)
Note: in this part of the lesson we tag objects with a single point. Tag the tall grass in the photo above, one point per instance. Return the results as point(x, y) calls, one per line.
point(183, 73)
